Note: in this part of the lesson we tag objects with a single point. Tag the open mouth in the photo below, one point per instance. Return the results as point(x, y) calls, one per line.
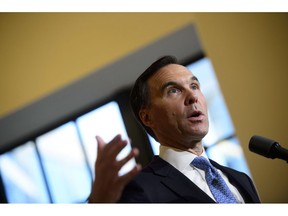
point(195, 116)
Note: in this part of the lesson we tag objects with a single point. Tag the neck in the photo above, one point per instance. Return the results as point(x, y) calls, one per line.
point(194, 147)
point(198, 150)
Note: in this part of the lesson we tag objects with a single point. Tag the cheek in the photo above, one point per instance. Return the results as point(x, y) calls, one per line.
point(173, 116)
point(164, 114)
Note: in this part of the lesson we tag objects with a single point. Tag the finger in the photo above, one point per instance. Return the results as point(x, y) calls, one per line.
point(103, 146)
point(128, 176)
point(133, 153)
point(115, 146)
point(100, 145)
point(111, 145)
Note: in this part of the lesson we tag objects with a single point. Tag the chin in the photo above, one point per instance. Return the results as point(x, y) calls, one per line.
point(199, 135)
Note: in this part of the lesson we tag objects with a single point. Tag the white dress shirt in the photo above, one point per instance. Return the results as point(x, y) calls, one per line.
point(181, 160)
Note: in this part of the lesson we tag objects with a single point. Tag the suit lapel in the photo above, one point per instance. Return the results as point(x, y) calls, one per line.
point(175, 181)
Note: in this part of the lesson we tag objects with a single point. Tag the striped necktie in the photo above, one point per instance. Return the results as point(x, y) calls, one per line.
point(216, 183)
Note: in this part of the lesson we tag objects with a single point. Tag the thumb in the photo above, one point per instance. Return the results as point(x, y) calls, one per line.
point(100, 143)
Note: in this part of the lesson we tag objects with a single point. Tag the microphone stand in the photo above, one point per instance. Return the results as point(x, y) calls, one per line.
point(278, 152)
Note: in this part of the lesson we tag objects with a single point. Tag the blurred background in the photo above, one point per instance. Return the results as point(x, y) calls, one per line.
point(44, 52)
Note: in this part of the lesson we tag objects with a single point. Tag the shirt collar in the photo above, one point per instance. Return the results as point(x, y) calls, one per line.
point(178, 158)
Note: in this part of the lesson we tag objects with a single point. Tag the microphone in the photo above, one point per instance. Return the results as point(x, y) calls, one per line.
point(267, 147)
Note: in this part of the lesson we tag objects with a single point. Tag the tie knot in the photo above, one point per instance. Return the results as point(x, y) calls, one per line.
point(201, 163)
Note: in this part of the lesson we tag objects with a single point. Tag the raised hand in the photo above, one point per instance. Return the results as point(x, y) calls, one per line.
point(108, 185)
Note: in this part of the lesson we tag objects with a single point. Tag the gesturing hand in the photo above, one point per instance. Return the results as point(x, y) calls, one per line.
point(108, 185)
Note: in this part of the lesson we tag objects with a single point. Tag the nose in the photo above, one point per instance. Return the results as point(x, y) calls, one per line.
point(190, 98)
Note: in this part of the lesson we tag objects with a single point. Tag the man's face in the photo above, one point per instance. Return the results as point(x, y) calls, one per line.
point(178, 110)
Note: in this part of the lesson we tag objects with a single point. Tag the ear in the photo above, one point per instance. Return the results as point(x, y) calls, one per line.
point(145, 117)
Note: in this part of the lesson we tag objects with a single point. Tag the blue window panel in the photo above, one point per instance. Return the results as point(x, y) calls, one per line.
point(22, 176)
point(64, 163)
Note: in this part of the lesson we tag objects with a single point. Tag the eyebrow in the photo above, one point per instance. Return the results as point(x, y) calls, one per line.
point(173, 83)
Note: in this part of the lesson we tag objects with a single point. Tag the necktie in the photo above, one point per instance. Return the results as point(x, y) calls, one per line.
point(216, 183)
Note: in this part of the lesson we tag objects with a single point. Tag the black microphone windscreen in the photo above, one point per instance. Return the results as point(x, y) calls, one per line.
point(262, 146)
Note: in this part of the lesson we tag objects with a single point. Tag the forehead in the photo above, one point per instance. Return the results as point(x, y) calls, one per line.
point(172, 72)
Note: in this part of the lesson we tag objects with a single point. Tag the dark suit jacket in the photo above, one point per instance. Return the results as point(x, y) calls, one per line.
point(160, 182)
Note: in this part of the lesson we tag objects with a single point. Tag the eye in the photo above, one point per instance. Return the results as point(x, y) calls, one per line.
point(194, 86)
point(173, 90)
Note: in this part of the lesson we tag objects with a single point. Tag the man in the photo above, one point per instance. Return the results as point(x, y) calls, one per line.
point(168, 102)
